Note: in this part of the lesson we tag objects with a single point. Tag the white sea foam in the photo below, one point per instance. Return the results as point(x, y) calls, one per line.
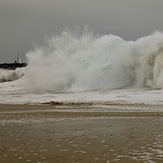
point(88, 62)
point(89, 68)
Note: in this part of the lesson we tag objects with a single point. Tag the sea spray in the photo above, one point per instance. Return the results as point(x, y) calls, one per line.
point(151, 60)
point(71, 62)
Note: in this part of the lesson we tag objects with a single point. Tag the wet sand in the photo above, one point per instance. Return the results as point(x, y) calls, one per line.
point(80, 134)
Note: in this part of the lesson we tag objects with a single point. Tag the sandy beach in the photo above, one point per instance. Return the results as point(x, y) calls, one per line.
point(80, 134)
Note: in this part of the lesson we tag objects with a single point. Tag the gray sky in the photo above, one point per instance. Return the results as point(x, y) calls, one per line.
point(25, 22)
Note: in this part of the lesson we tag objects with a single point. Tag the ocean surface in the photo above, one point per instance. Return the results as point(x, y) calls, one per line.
point(88, 68)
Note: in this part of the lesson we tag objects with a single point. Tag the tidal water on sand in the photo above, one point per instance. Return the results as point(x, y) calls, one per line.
point(37, 135)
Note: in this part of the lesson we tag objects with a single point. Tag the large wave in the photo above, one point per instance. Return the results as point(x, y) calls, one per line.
point(92, 62)
point(10, 75)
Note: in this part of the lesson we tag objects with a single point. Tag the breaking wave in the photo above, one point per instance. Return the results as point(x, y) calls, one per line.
point(10, 75)
point(72, 62)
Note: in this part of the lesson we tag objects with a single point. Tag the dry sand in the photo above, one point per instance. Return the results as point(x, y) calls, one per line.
point(79, 134)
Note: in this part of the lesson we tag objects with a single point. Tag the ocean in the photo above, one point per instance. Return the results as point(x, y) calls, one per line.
point(88, 68)
point(89, 98)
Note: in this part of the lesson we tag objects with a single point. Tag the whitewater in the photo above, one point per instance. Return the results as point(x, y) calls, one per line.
point(88, 68)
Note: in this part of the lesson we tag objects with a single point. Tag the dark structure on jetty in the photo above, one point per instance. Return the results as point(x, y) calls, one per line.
point(13, 66)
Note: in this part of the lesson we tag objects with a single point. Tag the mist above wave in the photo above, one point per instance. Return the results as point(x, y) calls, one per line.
point(90, 62)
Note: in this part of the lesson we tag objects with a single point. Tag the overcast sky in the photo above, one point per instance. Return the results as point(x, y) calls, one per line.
point(25, 22)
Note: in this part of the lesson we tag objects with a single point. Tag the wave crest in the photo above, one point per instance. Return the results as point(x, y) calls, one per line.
point(10, 75)
point(87, 62)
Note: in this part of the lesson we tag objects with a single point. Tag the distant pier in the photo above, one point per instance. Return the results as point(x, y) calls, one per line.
point(15, 65)
point(12, 66)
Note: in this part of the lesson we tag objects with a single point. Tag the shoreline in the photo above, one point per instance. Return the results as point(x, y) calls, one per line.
point(48, 110)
